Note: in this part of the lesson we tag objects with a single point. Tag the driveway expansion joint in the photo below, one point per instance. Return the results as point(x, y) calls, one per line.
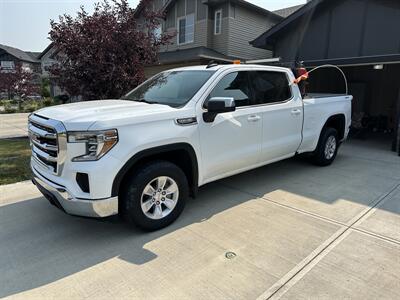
point(307, 264)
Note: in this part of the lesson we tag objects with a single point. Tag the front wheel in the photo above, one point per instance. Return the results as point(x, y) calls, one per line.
point(327, 148)
point(155, 196)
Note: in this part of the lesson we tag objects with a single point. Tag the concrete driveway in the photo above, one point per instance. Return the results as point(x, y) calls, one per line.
point(13, 125)
point(297, 232)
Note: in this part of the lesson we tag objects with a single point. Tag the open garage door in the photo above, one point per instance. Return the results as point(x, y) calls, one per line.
point(376, 104)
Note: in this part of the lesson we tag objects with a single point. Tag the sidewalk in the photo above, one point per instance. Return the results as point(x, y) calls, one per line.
point(13, 125)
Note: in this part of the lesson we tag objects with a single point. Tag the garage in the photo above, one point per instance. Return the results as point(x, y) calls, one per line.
point(363, 38)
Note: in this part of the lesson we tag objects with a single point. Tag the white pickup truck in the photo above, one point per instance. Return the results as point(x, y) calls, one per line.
point(143, 155)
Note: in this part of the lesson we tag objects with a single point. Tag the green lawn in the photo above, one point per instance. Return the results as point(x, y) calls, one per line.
point(14, 160)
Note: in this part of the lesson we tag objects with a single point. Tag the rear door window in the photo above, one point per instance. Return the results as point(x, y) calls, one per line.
point(270, 87)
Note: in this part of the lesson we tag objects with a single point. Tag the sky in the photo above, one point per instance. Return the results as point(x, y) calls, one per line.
point(25, 24)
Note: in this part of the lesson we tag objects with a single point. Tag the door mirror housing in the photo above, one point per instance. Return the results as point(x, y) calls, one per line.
point(218, 105)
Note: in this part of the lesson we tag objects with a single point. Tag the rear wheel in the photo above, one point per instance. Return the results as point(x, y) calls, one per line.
point(155, 196)
point(327, 148)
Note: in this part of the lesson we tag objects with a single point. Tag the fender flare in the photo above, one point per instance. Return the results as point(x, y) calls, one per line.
point(154, 151)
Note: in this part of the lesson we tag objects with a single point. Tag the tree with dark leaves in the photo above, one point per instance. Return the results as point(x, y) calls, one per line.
point(18, 82)
point(103, 55)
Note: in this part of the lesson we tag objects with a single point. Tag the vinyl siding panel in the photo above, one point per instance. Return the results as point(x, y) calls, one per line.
point(190, 6)
point(200, 38)
point(346, 18)
point(201, 10)
point(220, 41)
point(342, 30)
point(200, 28)
point(382, 17)
point(246, 25)
point(239, 26)
point(170, 20)
point(158, 4)
point(180, 8)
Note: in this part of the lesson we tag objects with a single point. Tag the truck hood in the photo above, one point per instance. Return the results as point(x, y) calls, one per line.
point(83, 115)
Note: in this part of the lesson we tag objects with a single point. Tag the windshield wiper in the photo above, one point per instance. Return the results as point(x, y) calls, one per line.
point(141, 100)
point(147, 101)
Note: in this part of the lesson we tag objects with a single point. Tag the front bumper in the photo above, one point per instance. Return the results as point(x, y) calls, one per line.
point(60, 197)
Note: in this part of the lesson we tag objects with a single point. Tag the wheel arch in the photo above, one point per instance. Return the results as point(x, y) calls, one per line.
point(181, 154)
point(338, 122)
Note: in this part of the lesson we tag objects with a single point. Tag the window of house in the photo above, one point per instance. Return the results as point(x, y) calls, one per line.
point(7, 65)
point(157, 31)
point(234, 85)
point(218, 22)
point(270, 87)
point(186, 29)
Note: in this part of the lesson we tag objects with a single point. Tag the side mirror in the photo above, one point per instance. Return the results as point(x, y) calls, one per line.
point(218, 105)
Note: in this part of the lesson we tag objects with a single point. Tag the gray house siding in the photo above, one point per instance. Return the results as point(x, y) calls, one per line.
point(181, 9)
point(245, 25)
point(239, 26)
point(201, 10)
point(219, 42)
point(342, 29)
point(381, 18)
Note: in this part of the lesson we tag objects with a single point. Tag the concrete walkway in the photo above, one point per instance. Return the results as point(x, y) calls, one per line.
point(13, 125)
point(297, 232)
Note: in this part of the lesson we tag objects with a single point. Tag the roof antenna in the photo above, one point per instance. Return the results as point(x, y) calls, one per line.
point(211, 64)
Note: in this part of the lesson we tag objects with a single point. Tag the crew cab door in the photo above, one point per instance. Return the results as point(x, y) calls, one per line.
point(282, 114)
point(232, 142)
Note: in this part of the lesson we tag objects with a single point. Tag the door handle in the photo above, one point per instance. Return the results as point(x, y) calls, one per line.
point(296, 112)
point(254, 118)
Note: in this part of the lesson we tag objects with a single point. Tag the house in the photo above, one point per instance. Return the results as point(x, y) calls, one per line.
point(207, 30)
point(360, 36)
point(48, 57)
point(286, 12)
point(10, 56)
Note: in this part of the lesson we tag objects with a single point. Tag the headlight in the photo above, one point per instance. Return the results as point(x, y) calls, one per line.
point(98, 143)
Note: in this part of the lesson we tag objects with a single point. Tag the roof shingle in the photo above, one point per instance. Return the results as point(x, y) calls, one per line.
point(18, 53)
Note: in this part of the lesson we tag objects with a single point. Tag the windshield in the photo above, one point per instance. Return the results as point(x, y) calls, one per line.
point(174, 88)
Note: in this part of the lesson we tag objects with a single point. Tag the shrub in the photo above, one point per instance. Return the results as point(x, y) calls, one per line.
point(45, 88)
point(48, 102)
point(9, 109)
point(30, 108)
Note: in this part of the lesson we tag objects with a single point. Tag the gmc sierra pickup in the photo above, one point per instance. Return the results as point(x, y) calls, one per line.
point(142, 156)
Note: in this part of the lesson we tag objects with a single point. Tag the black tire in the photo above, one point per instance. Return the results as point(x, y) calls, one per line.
point(134, 185)
point(320, 158)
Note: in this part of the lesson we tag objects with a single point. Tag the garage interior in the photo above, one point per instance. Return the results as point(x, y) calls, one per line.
point(376, 92)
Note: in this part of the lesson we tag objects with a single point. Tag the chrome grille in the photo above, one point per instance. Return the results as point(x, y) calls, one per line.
point(48, 142)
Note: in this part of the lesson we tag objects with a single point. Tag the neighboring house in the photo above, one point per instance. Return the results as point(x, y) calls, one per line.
point(10, 56)
point(285, 12)
point(48, 57)
point(206, 30)
point(361, 36)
